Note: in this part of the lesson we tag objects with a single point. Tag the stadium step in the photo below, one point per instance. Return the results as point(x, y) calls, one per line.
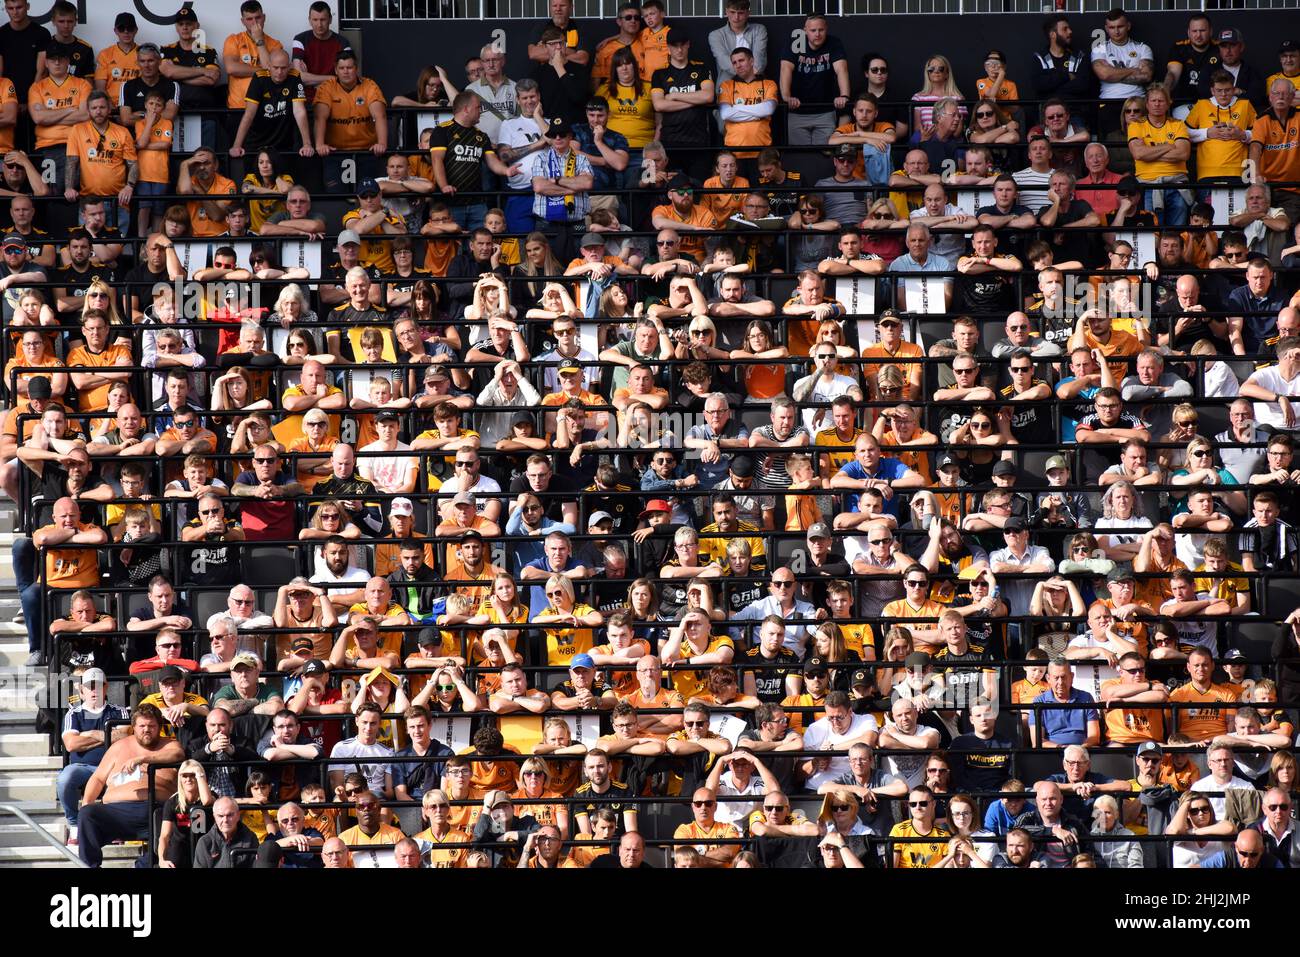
point(13, 653)
point(24, 744)
point(19, 835)
point(42, 855)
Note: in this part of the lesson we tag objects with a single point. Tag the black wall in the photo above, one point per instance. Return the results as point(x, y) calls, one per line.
point(394, 52)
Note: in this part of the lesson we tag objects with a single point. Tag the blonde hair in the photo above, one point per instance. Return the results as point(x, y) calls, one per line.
point(564, 584)
point(949, 88)
point(200, 780)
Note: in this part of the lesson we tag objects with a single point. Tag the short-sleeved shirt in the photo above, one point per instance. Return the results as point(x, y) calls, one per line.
point(1064, 725)
point(1202, 723)
point(198, 57)
point(770, 675)
point(685, 127)
point(463, 150)
point(96, 397)
point(1221, 157)
point(113, 68)
point(154, 163)
point(1166, 134)
point(273, 122)
point(349, 125)
point(752, 133)
point(814, 81)
point(916, 853)
point(1280, 160)
point(72, 92)
point(1126, 56)
point(200, 224)
point(241, 47)
point(102, 156)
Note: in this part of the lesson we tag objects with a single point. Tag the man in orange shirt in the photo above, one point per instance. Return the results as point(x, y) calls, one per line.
point(245, 53)
point(629, 35)
point(56, 104)
point(198, 176)
point(348, 115)
point(746, 103)
point(1095, 330)
point(1130, 725)
point(93, 387)
point(682, 214)
point(1275, 146)
point(101, 160)
point(1203, 724)
point(117, 63)
point(65, 567)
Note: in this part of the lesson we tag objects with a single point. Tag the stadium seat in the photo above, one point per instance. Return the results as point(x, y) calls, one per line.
point(270, 563)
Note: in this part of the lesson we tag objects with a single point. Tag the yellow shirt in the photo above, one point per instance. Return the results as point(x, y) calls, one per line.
point(387, 834)
point(563, 642)
point(1171, 131)
point(629, 114)
point(918, 854)
point(242, 47)
point(376, 252)
point(1221, 157)
point(444, 853)
point(1227, 589)
point(715, 548)
point(689, 683)
point(1293, 80)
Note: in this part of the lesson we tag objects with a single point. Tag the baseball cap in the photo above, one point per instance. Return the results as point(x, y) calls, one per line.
point(38, 387)
point(56, 52)
point(598, 517)
point(473, 533)
point(582, 661)
point(947, 460)
point(1286, 46)
point(523, 417)
point(429, 636)
point(1057, 462)
point(14, 239)
point(94, 676)
point(186, 13)
point(655, 505)
point(678, 181)
point(558, 128)
point(401, 506)
point(1120, 573)
point(819, 530)
point(1234, 654)
point(889, 317)
point(1149, 747)
point(367, 187)
point(1014, 525)
point(171, 673)
point(246, 658)
point(678, 35)
point(591, 239)
point(845, 150)
point(1003, 467)
point(568, 366)
point(995, 55)
point(349, 236)
point(815, 666)
point(314, 667)
point(493, 798)
point(742, 465)
point(387, 415)
point(917, 659)
point(463, 498)
point(860, 677)
point(125, 21)
point(435, 372)
point(1229, 35)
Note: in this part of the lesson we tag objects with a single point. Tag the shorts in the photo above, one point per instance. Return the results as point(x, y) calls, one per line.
point(143, 192)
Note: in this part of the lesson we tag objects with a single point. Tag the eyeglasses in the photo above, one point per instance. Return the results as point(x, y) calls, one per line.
point(703, 803)
point(984, 114)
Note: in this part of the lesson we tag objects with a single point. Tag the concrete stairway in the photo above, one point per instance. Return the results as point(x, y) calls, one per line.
point(29, 762)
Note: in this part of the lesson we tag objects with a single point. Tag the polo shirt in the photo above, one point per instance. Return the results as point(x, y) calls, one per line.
point(1066, 725)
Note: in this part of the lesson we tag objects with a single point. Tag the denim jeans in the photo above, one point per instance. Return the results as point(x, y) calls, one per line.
point(470, 216)
point(69, 786)
point(29, 590)
point(1175, 210)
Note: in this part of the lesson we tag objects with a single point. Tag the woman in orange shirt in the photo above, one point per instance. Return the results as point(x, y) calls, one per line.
point(35, 352)
point(767, 380)
point(725, 205)
point(534, 782)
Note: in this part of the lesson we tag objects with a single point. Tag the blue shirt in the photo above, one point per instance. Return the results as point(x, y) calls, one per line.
point(525, 553)
point(1221, 861)
point(80, 720)
point(1259, 315)
point(933, 263)
point(887, 468)
point(537, 601)
point(1064, 725)
point(603, 177)
point(422, 776)
point(796, 634)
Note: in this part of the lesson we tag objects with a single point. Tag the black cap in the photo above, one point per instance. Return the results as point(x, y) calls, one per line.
point(678, 181)
point(916, 660)
point(1014, 525)
point(742, 465)
point(387, 415)
point(1004, 467)
point(678, 35)
point(125, 21)
point(945, 460)
point(1288, 46)
point(471, 533)
point(846, 150)
point(315, 667)
point(860, 677)
point(1121, 573)
point(170, 673)
point(38, 387)
point(559, 127)
point(186, 13)
point(815, 666)
point(56, 51)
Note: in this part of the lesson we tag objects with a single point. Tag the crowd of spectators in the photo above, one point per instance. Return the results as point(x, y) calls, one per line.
point(665, 418)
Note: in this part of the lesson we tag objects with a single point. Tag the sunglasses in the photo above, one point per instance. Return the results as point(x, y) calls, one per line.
point(1271, 807)
point(983, 114)
point(918, 803)
point(782, 807)
point(777, 584)
point(264, 460)
point(703, 803)
point(697, 724)
point(209, 511)
point(915, 583)
point(879, 541)
point(841, 807)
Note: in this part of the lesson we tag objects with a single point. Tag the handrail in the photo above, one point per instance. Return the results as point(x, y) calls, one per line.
point(43, 834)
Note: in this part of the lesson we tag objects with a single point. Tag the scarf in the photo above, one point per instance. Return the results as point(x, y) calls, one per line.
point(559, 209)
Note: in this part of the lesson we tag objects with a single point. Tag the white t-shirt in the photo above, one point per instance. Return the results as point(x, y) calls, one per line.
point(349, 581)
point(823, 391)
point(819, 735)
point(1126, 56)
point(1090, 678)
point(735, 812)
point(390, 471)
point(483, 490)
point(1219, 801)
point(1202, 634)
point(517, 132)
point(1186, 853)
point(373, 770)
point(1133, 521)
point(1270, 413)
